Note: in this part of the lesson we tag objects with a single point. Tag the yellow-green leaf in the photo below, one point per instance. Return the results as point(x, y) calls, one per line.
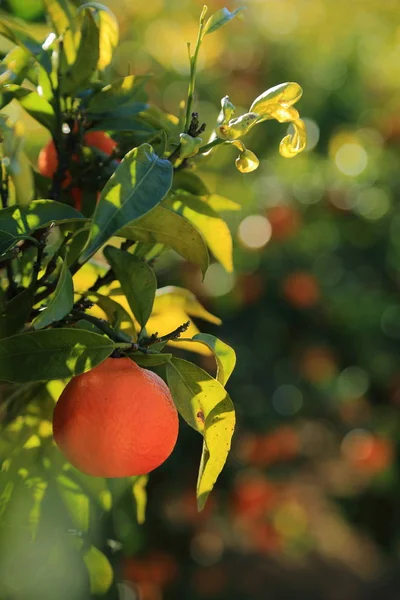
point(174, 297)
point(225, 356)
point(75, 501)
point(205, 405)
point(165, 226)
point(205, 219)
point(109, 32)
point(140, 495)
point(221, 204)
point(101, 574)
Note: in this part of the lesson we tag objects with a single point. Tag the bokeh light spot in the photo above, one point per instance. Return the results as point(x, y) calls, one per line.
point(287, 400)
point(351, 159)
point(254, 232)
point(217, 281)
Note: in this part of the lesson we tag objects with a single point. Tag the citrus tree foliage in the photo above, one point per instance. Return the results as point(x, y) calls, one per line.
point(79, 234)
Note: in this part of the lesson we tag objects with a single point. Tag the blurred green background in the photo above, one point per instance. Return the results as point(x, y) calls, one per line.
point(308, 505)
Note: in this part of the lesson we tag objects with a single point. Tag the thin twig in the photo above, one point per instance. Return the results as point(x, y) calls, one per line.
point(173, 335)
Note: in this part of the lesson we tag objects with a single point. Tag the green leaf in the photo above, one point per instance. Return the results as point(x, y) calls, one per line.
point(139, 183)
point(7, 241)
point(85, 64)
point(205, 219)
point(14, 31)
point(101, 573)
point(150, 360)
point(140, 495)
point(137, 280)
point(60, 302)
point(37, 106)
point(205, 406)
point(75, 501)
point(38, 214)
point(22, 176)
point(14, 66)
point(62, 16)
point(117, 315)
point(172, 297)
point(51, 354)
point(224, 355)
point(124, 91)
point(167, 227)
point(16, 313)
point(76, 245)
point(219, 19)
point(189, 182)
point(109, 32)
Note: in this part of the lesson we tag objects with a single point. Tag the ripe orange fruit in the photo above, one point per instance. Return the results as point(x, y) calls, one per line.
point(48, 161)
point(116, 420)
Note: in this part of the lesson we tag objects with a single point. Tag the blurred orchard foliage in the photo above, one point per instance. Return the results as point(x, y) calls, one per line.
point(310, 494)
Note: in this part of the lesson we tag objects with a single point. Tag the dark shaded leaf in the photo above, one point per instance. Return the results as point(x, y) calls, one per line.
point(137, 280)
point(60, 302)
point(51, 354)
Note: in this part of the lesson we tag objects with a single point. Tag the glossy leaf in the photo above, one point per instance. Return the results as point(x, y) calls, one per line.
point(205, 405)
point(85, 64)
point(167, 227)
point(37, 214)
point(205, 219)
point(172, 297)
point(224, 355)
point(137, 280)
point(60, 302)
point(140, 495)
point(219, 19)
point(124, 91)
point(140, 182)
point(109, 32)
point(15, 313)
point(51, 354)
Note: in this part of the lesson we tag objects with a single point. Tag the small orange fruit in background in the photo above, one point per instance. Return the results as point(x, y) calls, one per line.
point(285, 221)
point(116, 420)
point(301, 289)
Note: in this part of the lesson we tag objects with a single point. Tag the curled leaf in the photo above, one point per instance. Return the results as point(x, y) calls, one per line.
point(294, 143)
point(237, 128)
point(271, 103)
point(228, 108)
